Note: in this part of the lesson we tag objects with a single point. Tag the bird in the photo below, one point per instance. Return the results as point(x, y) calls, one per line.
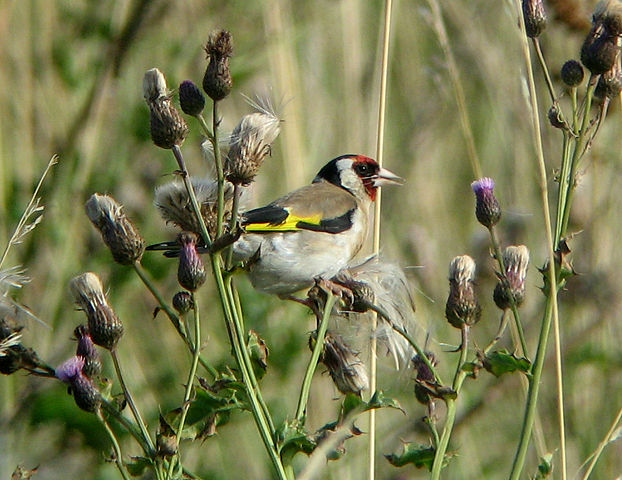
point(314, 232)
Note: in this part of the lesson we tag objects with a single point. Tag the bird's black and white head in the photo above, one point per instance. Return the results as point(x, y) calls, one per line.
point(359, 175)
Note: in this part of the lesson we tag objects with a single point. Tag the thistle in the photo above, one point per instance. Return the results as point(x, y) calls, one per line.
point(344, 366)
point(462, 307)
point(104, 326)
point(191, 271)
point(117, 231)
point(487, 208)
point(217, 81)
point(85, 393)
point(168, 128)
point(516, 261)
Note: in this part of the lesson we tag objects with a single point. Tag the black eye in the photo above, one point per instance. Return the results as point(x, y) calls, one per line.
point(363, 169)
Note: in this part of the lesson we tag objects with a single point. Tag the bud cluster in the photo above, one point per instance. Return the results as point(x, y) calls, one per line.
point(104, 325)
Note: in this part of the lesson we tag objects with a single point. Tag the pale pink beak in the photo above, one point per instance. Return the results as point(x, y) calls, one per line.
point(386, 177)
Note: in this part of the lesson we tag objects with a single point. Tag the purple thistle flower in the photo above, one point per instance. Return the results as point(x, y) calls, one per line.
point(487, 209)
point(70, 369)
point(191, 271)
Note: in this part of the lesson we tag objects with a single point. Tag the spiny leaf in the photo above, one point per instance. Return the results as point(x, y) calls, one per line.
point(502, 361)
point(420, 456)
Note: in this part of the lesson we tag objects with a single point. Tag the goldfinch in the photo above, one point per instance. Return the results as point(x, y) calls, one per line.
point(313, 232)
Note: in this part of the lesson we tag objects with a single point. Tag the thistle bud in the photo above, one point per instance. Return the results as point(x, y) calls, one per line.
point(174, 205)
point(168, 128)
point(601, 46)
point(117, 231)
point(462, 307)
point(217, 80)
point(183, 302)
point(572, 73)
point(487, 208)
point(535, 17)
point(516, 261)
point(191, 99)
point(191, 271)
point(610, 83)
point(104, 326)
point(249, 145)
point(555, 117)
point(86, 349)
point(344, 366)
point(424, 375)
point(84, 391)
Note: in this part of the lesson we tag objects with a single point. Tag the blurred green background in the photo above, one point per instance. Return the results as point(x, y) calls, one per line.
point(72, 73)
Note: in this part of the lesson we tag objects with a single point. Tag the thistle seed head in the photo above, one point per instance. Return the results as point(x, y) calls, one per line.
point(487, 208)
point(462, 307)
point(217, 81)
point(104, 326)
point(191, 271)
point(173, 203)
point(249, 145)
point(117, 231)
point(516, 261)
point(344, 365)
point(168, 128)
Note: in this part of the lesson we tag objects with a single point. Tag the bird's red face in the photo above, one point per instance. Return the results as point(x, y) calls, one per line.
point(373, 175)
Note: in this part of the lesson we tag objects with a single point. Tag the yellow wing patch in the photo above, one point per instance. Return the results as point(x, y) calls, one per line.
point(290, 224)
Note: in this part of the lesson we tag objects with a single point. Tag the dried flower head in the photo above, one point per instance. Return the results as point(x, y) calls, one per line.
point(84, 391)
point(462, 307)
point(191, 99)
point(487, 208)
point(516, 261)
point(608, 13)
point(344, 365)
point(217, 80)
point(183, 302)
point(191, 271)
point(250, 144)
point(104, 326)
point(572, 73)
point(168, 128)
point(535, 17)
point(86, 349)
point(174, 204)
point(118, 232)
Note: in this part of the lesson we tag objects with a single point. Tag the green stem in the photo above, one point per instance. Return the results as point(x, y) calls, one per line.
point(532, 396)
point(193, 198)
point(460, 375)
point(545, 70)
point(174, 318)
point(576, 157)
point(193, 371)
point(502, 325)
point(206, 130)
point(131, 403)
point(219, 170)
point(233, 220)
point(115, 445)
point(238, 348)
point(126, 422)
point(315, 356)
